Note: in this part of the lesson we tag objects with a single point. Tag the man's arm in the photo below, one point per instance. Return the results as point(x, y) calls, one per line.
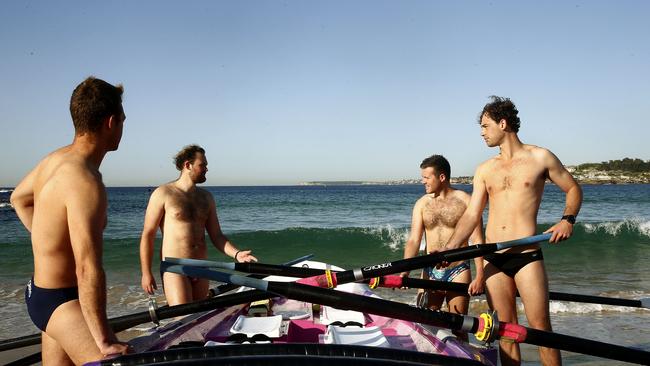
point(86, 213)
point(472, 216)
point(563, 179)
point(476, 287)
point(219, 239)
point(155, 212)
point(412, 245)
point(22, 199)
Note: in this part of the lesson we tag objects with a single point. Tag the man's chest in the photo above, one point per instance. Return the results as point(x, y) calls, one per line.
point(183, 208)
point(518, 176)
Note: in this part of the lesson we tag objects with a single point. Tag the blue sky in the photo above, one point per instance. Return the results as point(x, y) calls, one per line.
point(281, 92)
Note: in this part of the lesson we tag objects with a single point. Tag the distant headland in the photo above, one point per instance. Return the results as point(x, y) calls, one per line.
point(625, 171)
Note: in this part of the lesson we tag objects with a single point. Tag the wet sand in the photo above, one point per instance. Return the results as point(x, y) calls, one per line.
point(16, 354)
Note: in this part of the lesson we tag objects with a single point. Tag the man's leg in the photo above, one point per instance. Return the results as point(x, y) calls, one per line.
point(435, 299)
point(68, 339)
point(200, 288)
point(501, 293)
point(178, 289)
point(459, 302)
point(52, 353)
point(532, 283)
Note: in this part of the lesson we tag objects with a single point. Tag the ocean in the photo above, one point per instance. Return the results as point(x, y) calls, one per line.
point(355, 225)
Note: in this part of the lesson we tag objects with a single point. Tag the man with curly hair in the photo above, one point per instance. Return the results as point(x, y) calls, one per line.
point(184, 212)
point(513, 183)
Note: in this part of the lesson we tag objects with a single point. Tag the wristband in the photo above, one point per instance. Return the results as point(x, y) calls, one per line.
point(237, 260)
point(571, 219)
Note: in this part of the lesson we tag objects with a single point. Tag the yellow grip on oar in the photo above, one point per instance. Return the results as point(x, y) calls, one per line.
point(486, 327)
point(328, 275)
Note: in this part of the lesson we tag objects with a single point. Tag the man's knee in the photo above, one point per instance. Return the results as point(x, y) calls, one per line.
point(540, 323)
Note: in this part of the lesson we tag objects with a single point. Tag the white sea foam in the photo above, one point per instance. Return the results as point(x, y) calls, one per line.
point(3, 190)
point(5, 204)
point(636, 224)
point(394, 237)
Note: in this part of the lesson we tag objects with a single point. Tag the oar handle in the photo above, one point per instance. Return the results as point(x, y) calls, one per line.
point(433, 285)
point(200, 263)
point(524, 241)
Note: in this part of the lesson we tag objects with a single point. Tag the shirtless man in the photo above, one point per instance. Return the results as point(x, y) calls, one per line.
point(184, 212)
point(435, 215)
point(62, 202)
point(513, 183)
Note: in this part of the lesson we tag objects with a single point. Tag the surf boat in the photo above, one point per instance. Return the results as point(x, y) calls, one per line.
point(270, 330)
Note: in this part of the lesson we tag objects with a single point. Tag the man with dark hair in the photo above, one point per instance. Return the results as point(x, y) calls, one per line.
point(62, 202)
point(513, 183)
point(184, 212)
point(435, 215)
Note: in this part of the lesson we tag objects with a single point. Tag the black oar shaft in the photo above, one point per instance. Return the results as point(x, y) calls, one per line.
point(452, 321)
point(277, 270)
point(595, 299)
point(120, 323)
point(435, 285)
point(127, 321)
point(409, 264)
point(124, 322)
point(586, 346)
point(371, 305)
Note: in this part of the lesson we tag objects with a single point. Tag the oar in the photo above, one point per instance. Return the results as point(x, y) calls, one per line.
point(390, 281)
point(453, 255)
point(124, 322)
point(481, 327)
point(128, 321)
point(397, 282)
point(324, 278)
point(560, 296)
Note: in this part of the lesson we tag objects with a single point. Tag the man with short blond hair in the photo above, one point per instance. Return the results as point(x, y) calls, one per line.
point(184, 212)
point(62, 202)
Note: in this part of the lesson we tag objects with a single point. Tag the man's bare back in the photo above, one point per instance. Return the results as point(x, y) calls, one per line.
point(57, 177)
point(62, 202)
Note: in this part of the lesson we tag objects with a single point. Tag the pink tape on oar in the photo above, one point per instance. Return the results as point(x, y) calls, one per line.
point(392, 281)
point(514, 332)
point(327, 280)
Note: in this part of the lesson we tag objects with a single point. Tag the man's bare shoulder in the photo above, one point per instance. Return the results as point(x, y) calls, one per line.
point(461, 195)
point(206, 194)
point(538, 150)
point(486, 165)
point(163, 192)
point(422, 200)
point(69, 168)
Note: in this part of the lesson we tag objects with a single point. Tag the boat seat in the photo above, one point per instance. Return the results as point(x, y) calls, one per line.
point(371, 336)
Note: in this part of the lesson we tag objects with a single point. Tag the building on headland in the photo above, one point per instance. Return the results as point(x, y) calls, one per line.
point(583, 176)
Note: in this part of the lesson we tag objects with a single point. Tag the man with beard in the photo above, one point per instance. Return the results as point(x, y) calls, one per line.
point(184, 212)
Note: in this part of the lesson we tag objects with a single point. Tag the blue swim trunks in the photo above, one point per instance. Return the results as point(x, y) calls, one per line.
point(446, 274)
point(41, 302)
